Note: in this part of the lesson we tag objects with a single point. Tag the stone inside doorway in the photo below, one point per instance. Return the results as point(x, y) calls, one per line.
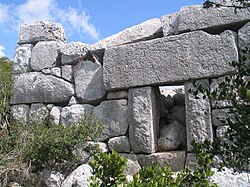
point(172, 119)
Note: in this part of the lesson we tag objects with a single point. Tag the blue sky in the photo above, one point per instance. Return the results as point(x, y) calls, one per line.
point(83, 20)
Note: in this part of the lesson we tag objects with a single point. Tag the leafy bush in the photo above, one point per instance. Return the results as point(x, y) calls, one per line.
point(108, 169)
point(5, 91)
point(32, 147)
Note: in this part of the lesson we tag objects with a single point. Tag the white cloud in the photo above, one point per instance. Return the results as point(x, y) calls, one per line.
point(73, 20)
point(78, 21)
point(1, 51)
point(34, 10)
point(4, 13)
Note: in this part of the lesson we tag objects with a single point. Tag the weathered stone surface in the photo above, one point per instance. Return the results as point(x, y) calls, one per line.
point(73, 52)
point(51, 178)
point(80, 177)
point(22, 59)
point(132, 166)
point(38, 113)
point(45, 55)
point(170, 24)
point(172, 59)
point(56, 71)
point(119, 144)
point(173, 159)
point(147, 30)
point(143, 119)
point(73, 114)
point(179, 99)
point(198, 116)
point(171, 136)
point(166, 103)
point(89, 82)
point(191, 161)
point(177, 113)
point(122, 94)
point(219, 115)
point(244, 36)
point(208, 19)
point(67, 73)
point(55, 114)
point(19, 113)
point(113, 114)
point(35, 87)
point(41, 31)
point(227, 178)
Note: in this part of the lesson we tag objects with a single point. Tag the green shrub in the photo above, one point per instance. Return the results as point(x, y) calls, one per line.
point(108, 169)
point(5, 91)
point(32, 147)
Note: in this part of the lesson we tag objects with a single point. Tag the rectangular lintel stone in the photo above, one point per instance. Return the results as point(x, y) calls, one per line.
point(208, 19)
point(143, 119)
point(169, 60)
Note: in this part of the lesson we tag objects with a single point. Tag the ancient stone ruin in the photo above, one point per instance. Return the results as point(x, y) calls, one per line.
point(118, 79)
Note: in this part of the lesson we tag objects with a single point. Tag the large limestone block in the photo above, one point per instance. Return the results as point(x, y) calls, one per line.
point(45, 55)
point(74, 52)
point(35, 87)
point(22, 59)
point(198, 116)
point(143, 119)
point(75, 113)
point(169, 60)
point(147, 30)
point(19, 113)
point(174, 159)
point(208, 19)
point(113, 114)
point(89, 82)
point(40, 31)
point(172, 136)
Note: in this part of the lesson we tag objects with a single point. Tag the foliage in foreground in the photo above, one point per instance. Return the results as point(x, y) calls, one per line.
point(5, 91)
point(108, 171)
point(33, 147)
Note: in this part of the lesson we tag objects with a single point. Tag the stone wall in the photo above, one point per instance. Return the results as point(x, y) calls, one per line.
point(118, 78)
